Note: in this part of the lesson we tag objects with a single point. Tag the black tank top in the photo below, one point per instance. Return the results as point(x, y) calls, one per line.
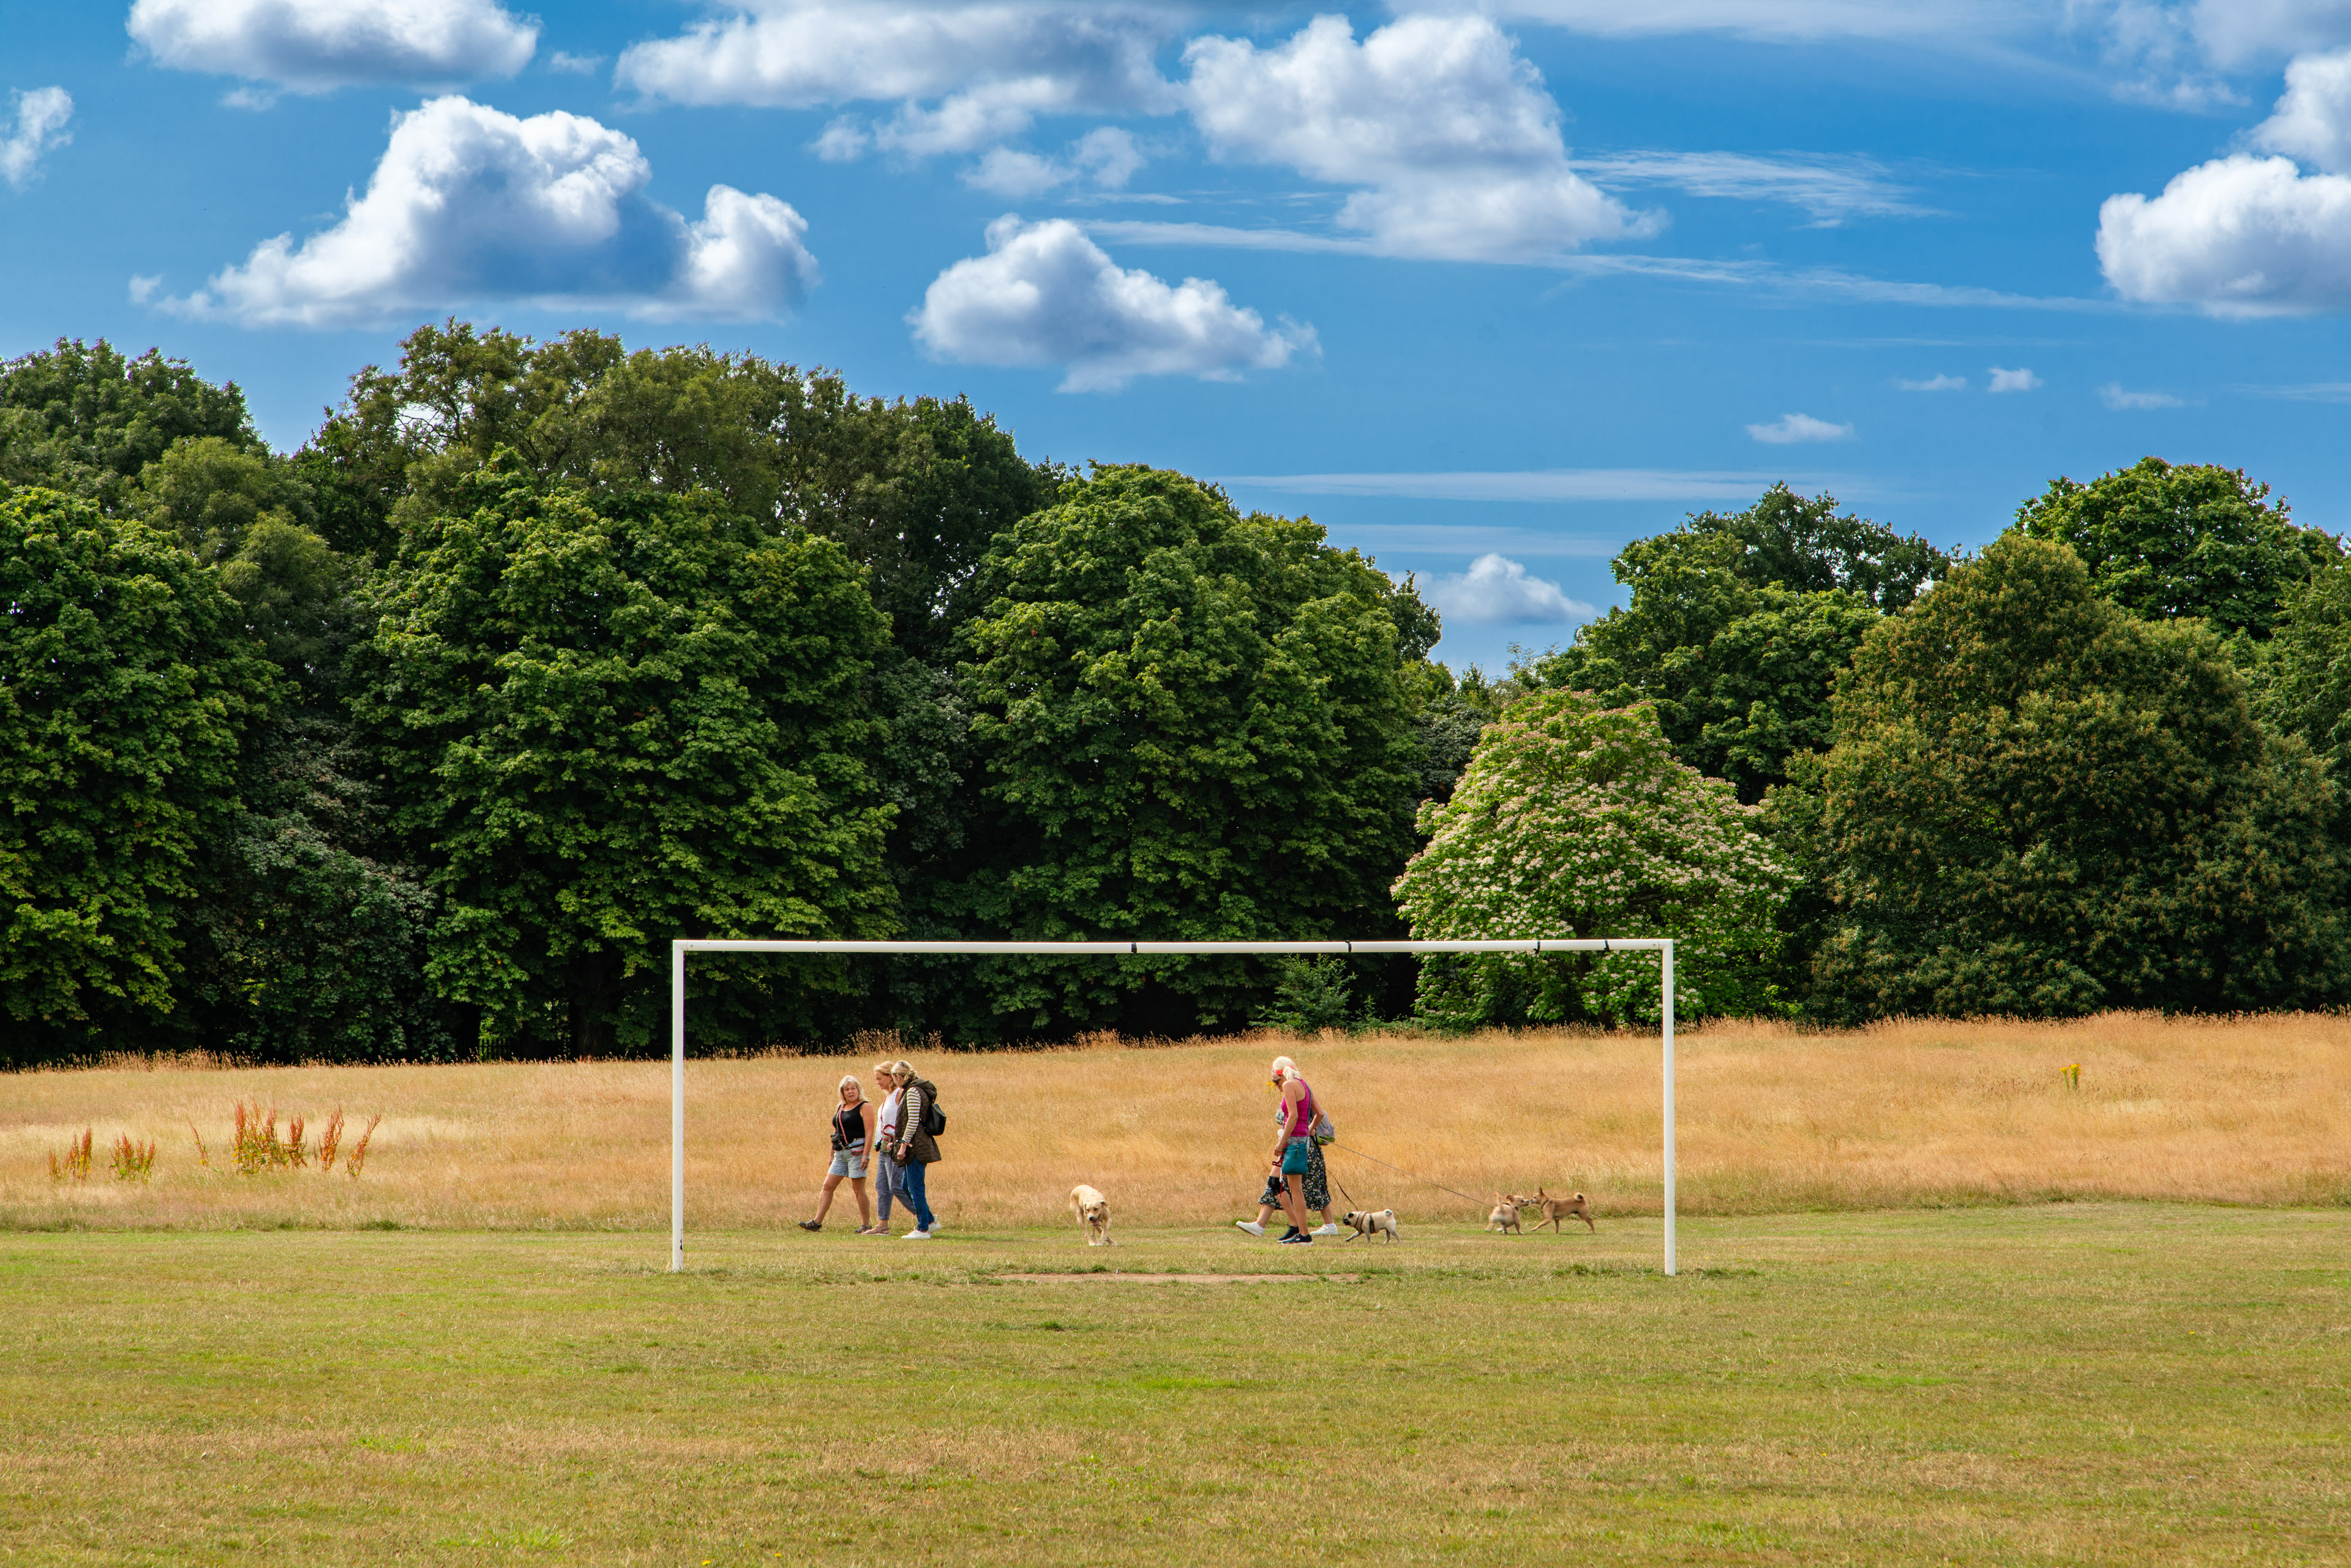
point(849, 1127)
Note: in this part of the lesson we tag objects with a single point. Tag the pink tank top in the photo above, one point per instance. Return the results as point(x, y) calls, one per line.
point(1301, 1115)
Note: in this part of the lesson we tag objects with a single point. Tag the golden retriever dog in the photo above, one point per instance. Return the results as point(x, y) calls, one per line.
point(1554, 1209)
point(1093, 1210)
point(1366, 1224)
point(1505, 1217)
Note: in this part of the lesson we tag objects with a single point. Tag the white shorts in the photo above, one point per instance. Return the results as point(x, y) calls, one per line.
point(848, 1165)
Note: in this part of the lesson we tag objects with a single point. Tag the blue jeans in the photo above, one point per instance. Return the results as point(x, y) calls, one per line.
point(909, 1188)
point(885, 1185)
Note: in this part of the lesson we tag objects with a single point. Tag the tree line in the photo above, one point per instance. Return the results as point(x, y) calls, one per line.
point(422, 741)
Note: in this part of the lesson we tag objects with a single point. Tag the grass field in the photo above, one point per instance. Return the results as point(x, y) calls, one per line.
point(2072, 1383)
point(2253, 1110)
point(1888, 1345)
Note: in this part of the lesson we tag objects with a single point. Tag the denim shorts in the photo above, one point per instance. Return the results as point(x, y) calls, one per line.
point(846, 1163)
point(1298, 1158)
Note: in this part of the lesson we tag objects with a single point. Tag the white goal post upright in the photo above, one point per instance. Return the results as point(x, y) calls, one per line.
point(1662, 946)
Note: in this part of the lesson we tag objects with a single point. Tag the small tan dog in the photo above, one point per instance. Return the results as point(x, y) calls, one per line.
point(1554, 1209)
point(1505, 1217)
point(1367, 1224)
point(1093, 1210)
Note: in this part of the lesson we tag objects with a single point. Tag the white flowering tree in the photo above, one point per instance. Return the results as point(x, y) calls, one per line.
point(1576, 820)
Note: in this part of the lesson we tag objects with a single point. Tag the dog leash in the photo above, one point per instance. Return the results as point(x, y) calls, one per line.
point(1377, 1161)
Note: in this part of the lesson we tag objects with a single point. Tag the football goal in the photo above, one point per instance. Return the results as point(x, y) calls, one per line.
point(1662, 946)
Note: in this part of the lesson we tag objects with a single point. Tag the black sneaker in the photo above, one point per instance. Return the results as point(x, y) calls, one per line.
point(1295, 1240)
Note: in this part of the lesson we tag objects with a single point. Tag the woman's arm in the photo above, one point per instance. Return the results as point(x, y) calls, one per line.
point(865, 1109)
point(910, 1104)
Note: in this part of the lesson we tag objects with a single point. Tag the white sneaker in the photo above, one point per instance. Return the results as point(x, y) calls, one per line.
point(915, 1235)
point(1252, 1225)
point(1325, 1228)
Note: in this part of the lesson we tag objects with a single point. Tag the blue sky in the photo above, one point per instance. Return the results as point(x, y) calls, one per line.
point(1487, 291)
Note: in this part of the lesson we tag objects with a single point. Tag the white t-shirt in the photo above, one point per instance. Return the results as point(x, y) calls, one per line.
point(886, 1119)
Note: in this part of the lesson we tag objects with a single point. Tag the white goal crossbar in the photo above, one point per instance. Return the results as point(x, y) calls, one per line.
point(1662, 946)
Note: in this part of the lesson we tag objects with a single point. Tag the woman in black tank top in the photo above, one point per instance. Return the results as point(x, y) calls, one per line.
point(850, 1129)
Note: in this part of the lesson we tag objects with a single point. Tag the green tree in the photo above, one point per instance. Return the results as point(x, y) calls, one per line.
point(126, 686)
point(1188, 724)
point(2169, 541)
point(2037, 804)
point(1740, 672)
point(607, 725)
point(913, 490)
point(1577, 821)
point(2306, 667)
point(1804, 543)
point(80, 418)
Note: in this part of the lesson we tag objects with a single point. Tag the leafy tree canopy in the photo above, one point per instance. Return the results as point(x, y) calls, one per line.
point(2306, 667)
point(913, 490)
point(1803, 543)
point(1578, 820)
point(2038, 804)
point(608, 724)
point(2167, 540)
point(1738, 671)
point(82, 419)
point(126, 682)
point(1190, 724)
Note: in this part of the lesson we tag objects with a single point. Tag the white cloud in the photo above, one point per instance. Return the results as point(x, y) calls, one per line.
point(1794, 427)
point(1105, 156)
point(1785, 21)
point(1936, 384)
point(574, 65)
point(313, 46)
point(1831, 190)
point(41, 118)
point(143, 286)
point(2016, 381)
point(1046, 295)
point(2113, 396)
point(470, 204)
point(1450, 134)
point(2237, 236)
point(1497, 592)
point(2313, 120)
point(1552, 485)
point(990, 69)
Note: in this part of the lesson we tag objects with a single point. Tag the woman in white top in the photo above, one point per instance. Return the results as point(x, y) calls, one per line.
point(885, 1133)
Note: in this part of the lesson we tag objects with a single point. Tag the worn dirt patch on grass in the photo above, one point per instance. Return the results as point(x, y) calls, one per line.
point(1105, 1278)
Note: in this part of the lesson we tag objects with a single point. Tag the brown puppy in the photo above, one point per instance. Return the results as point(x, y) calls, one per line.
point(1093, 1210)
point(1554, 1209)
point(1363, 1224)
point(1505, 1217)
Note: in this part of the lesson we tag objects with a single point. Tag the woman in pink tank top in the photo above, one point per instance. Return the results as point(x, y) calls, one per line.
point(1295, 1147)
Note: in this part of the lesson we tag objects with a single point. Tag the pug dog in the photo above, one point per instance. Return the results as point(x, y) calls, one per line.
point(1382, 1221)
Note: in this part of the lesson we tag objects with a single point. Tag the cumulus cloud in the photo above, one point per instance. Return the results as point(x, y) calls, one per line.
point(313, 46)
point(41, 118)
point(470, 204)
point(2015, 381)
point(964, 76)
point(2240, 235)
point(2115, 397)
point(1046, 295)
point(1499, 591)
point(1831, 190)
point(1793, 427)
point(1105, 157)
point(1936, 384)
point(2313, 120)
point(1449, 134)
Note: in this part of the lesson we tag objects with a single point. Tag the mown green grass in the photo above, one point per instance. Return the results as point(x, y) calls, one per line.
point(2077, 1384)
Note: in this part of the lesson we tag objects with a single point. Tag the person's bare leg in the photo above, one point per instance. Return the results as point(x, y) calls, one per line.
point(1294, 1198)
point(825, 1203)
point(864, 1206)
point(1264, 1212)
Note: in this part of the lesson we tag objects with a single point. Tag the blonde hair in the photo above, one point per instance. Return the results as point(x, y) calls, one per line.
point(902, 1069)
point(1284, 1069)
point(885, 1068)
point(851, 1081)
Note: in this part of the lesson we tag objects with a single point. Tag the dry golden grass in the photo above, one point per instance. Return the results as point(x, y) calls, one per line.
point(2252, 1111)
